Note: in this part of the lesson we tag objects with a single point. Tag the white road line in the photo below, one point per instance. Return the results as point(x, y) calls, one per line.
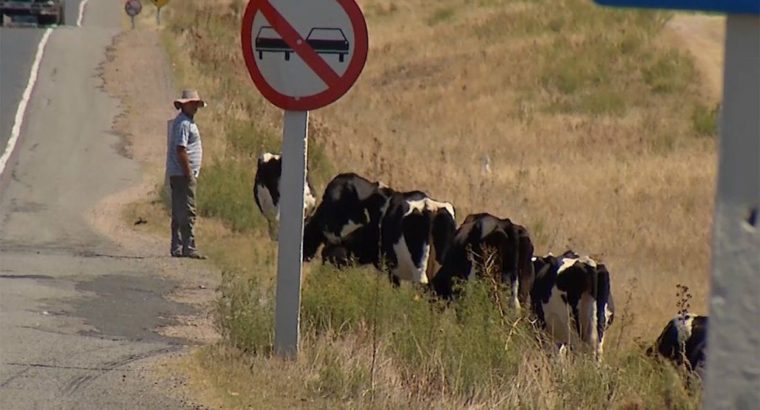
point(16, 130)
point(81, 12)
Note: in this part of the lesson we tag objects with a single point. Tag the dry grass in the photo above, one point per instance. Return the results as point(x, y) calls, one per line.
point(592, 127)
point(634, 187)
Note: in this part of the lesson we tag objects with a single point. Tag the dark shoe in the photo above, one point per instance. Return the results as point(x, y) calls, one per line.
point(195, 255)
point(176, 254)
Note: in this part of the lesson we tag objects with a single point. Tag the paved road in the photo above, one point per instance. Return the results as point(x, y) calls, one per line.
point(76, 312)
point(17, 49)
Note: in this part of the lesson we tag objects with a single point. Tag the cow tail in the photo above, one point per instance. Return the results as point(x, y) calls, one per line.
point(526, 271)
point(602, 297)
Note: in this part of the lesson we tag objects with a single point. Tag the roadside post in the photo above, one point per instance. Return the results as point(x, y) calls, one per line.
point(159, 5)
point(732, 375)
point(133, 8)
point(301, 56)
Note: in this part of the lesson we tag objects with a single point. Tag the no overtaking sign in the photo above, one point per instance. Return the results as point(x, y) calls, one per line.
point(303, 55)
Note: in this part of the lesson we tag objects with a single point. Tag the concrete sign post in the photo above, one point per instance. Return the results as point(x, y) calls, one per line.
point(732, 375)
point(733, 358)
point(133, 8)
point(301, 56)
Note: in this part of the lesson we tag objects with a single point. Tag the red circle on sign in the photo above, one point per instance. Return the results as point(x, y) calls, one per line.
point(332, 93)
point(133, 7)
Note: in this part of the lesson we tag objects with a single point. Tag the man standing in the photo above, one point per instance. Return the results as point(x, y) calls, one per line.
point(183, 164)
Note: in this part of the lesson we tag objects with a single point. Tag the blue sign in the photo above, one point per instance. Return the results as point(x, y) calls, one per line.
point(725, 6)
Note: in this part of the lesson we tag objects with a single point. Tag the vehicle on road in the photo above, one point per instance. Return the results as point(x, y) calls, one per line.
point(43, 12)
point(324, 40)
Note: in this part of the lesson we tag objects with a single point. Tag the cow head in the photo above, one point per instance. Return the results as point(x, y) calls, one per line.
point(684, 342)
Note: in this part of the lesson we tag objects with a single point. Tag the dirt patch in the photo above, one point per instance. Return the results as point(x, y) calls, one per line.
point(199, 330)
point(704, 37)
point(137, 72)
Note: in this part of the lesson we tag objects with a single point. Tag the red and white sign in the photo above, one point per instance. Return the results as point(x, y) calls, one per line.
point(133, 7)
point(303, 55)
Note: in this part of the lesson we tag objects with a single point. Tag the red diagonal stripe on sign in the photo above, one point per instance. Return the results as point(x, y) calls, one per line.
point(299, 45)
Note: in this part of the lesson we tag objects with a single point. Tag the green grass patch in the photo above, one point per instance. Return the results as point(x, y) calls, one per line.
point(704, 120)
point(245, 313)
point(364, 339)
point(225, 192)
point(246, 139)
point(593, 61)
point(669, 72)
point(441, 15)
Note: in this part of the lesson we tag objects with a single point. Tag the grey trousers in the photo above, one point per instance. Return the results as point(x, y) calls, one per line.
point(183, 215)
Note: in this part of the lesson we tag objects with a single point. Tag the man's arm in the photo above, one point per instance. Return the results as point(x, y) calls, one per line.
point(184, 161)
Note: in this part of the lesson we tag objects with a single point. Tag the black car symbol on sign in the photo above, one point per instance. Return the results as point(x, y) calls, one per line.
point(324, 40)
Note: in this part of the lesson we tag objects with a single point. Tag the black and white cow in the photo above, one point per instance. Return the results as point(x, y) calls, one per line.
point(684, 342)
point(572, 299)
point(266, 191)
point(477, 234)
point(416, 232)
point(365, 222)
point(347, 221)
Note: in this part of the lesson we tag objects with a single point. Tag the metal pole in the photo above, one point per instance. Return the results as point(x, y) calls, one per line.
point(132, 18)
point(290, 250)
point(732, 379)
point(158, 16)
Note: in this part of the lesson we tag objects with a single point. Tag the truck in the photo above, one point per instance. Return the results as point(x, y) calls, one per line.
point(41, 12)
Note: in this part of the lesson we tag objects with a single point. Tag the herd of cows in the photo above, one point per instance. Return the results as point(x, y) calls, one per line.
point(413, 237)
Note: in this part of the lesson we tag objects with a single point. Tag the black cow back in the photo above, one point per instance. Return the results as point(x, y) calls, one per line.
point(477, 233)
point(348, 198)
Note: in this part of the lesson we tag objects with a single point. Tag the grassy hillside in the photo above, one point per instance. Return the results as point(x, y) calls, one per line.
point(581, 123)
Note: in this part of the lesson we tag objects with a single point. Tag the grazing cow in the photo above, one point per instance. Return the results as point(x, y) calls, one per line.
point(266, 191)
point(365, 222)
point(572, 300)
point(684, 342)
point(478, 233)
point(347, 221)
point(416, 232)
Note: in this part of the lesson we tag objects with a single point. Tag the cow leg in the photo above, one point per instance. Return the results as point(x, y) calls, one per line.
point(313, 236)
point(525, 271)
point(272, 229)
point(395, 281)
point(562, 352)
point(336, 255)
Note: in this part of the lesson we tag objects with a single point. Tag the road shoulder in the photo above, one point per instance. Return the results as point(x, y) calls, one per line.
point(137, 71)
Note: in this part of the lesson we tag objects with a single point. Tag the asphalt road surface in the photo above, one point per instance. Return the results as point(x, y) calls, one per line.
point(77, 314)
point(17, 49)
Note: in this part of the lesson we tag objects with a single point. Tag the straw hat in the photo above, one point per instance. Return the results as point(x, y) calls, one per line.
point(187, 96)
